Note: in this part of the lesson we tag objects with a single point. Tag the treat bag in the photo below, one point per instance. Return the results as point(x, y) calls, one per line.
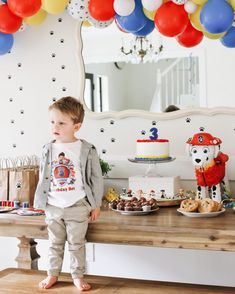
point(4, 179)
point(36, 172)
point(30, 163)
point(22, 184)
point(34, 163)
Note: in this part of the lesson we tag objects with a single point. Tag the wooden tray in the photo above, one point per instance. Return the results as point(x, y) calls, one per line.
point(169, 202)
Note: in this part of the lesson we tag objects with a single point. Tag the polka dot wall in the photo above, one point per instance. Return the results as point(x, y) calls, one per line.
point(41, 68)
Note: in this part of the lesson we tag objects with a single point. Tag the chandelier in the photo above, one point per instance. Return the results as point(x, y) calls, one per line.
point(142, 50)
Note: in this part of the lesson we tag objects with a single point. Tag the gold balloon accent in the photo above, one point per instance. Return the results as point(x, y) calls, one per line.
point(199, 2)
point(86, 23)
point(54, 6)
point(36, 19)
point(195, 19)
point(213, 36)
point(232, 3)
point(149, 14)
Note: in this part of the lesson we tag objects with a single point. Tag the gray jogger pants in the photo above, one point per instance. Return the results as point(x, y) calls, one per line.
point(67, 224)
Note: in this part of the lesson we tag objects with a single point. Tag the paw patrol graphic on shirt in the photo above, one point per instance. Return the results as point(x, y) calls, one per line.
point(63, 173)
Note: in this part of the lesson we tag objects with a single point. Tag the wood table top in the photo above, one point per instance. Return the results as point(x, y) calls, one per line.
point(163, 228)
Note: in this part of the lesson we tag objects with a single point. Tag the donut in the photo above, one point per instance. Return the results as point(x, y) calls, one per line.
point(207, 205)
point(189, 205)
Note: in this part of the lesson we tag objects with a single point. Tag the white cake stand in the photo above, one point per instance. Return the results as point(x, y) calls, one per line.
point(152, 164)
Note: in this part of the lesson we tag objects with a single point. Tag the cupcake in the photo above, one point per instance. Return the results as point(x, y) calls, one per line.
point(137, 207)
point(113, 204)
point(146, 207)
point(120, 206)
point(128, 207)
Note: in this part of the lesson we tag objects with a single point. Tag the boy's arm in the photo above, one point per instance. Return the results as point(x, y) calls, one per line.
point(42, 159)
point(96, 178)
point(95, 214)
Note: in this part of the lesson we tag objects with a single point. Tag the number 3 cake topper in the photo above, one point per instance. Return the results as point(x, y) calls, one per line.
point(154, 135)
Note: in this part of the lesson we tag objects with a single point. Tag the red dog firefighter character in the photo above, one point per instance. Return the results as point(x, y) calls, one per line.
point(209, 164)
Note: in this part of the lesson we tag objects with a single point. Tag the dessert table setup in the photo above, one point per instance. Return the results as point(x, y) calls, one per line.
point(153, 212)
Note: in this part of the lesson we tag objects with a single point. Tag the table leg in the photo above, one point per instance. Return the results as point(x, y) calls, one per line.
point(28, 256)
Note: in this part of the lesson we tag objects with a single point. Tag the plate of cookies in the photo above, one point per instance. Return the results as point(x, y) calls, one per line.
point(201, 208)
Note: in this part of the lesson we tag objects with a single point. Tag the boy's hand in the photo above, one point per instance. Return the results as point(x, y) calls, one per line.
point(95, 213)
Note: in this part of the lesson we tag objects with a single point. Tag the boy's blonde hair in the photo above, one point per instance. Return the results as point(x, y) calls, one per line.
point(70, 106)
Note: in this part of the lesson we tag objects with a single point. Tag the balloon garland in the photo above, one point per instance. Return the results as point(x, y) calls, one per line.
point(188, 21)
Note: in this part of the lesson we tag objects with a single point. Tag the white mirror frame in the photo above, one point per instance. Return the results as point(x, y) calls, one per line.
point(135, 112)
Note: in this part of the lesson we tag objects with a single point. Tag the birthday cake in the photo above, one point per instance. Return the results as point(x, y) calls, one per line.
point(152, 149)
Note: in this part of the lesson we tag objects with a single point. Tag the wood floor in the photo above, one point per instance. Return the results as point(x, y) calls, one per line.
point(26, 282)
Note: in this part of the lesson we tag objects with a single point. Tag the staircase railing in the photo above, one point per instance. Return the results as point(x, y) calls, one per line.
point(177, 84)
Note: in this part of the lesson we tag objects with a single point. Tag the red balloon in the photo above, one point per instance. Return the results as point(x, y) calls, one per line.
point(190, 37)
point(101, 10)
point(171, 19)
point(9, 22)
point(24, 8)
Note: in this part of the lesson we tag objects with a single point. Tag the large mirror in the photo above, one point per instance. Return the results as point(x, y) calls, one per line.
point(186, 78)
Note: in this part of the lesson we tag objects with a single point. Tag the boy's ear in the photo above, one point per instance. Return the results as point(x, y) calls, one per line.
point(77, 126)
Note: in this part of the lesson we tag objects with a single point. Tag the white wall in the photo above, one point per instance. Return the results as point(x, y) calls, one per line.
point(220, 74)
point(33, 49)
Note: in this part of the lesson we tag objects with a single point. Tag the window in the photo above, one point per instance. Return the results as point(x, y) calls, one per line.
point(96, 92)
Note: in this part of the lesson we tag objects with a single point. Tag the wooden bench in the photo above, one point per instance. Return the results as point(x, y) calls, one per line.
point(23, 281)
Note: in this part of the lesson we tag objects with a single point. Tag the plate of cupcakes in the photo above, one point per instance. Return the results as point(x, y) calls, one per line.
point(134, 206)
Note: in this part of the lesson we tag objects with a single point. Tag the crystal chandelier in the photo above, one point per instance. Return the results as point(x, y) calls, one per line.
point(142, 50)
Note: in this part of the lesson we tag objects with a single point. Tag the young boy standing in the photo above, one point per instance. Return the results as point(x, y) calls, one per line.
point(70, 190)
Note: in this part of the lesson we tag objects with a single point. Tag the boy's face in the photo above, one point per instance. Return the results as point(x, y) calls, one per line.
point(62, 126)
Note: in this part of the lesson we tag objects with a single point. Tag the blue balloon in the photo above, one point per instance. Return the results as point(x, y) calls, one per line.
point(216, 16)
point(147, 29)
point(5, 1)
point(228, 40)
point(134, 21)
point(6, 43)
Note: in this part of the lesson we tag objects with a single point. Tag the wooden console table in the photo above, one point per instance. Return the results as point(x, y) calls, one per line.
point(166, 228)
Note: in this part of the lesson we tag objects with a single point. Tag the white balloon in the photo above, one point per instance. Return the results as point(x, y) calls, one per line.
point(151, 5)
point(124, 7)
point(78, 9)
point(100, 24)
point(190, 7)
point(179, 2)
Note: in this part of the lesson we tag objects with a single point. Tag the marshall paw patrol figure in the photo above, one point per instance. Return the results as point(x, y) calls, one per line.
point(209, 164)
